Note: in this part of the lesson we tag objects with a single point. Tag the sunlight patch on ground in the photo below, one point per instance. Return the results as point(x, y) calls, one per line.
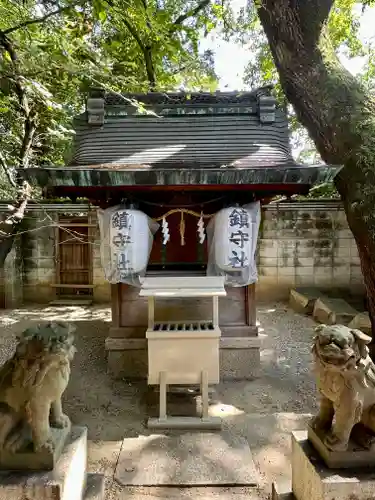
point(63, 313)
point(223, 410)
point(260, 328)
point(6, 320)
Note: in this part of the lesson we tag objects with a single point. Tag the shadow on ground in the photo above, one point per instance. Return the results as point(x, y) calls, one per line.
point(264, 411)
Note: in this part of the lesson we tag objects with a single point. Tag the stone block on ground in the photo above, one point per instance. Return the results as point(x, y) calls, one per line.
point(282, 491)
point(95, 487)
point(28, 459)
point(333, 311)
point(313, 480)
point(188, 459)
point(361, 322)
point(302, 299)
point(66, 482)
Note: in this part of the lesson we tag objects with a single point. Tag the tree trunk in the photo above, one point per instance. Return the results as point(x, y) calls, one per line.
point(334, 108)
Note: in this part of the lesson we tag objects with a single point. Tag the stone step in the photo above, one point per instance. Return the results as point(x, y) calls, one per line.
point(95, 487)
point(66, 482)
point(71, 302)
point(201, 493)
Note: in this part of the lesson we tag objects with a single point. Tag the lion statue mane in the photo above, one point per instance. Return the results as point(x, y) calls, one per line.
point(31, 385)
point(346, 382)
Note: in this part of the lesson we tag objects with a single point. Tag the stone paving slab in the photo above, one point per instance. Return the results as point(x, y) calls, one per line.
point(188, 459)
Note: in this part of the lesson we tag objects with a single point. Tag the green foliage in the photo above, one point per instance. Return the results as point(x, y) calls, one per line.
point(51, 51)
point(343, 31)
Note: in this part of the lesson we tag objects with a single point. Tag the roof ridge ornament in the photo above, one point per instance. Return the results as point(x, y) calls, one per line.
point(267, 108)
point(95, 107)
point(165, 99)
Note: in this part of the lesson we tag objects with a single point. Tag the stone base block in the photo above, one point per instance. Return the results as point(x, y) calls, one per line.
point(313, 480)
point(95, 488)
point(27, 459)
point(66, 482)
point(354, 457)
point(239, 358)
point(127, 358)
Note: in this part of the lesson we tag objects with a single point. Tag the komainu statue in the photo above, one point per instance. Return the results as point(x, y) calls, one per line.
point(31, 385)
point(346, 382)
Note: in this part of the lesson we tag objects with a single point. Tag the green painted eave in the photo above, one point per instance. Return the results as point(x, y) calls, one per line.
point(113, 176)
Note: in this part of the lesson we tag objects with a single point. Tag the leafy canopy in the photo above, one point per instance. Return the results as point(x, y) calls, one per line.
point(51, 51)
point(343, 29)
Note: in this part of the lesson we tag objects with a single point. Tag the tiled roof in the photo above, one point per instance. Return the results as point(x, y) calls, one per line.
point(190, 131)
point(226, 138)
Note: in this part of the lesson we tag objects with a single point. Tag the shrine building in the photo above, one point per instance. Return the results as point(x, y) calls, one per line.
point(179, 159)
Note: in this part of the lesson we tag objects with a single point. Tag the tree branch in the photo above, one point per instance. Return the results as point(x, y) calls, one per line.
point(8, 47)
point(38, 20)
point(147, 53)
point(146, 49)
point(190, 13)
point(29, 124)
point(7, 171)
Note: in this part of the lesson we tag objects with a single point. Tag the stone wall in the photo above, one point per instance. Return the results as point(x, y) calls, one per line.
point(300, 244)
point(11, 292)
point(306, 244)
point(33, 260)
point(37, 254)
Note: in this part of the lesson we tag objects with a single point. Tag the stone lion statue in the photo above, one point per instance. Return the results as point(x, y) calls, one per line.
point(346, 382)
point(31, 385)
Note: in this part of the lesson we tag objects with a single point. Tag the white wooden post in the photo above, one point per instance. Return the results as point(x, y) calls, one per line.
point(163, 396)
point(215, 312)
point(151, 313)
point(204, 392)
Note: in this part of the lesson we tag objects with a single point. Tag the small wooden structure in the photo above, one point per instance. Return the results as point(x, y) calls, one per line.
point(74, 280)
point(183, 353)
point(200, 152)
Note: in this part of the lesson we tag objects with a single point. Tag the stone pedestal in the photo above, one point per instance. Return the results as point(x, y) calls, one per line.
point(67, 481)
point(28, 459)
point(353, 457)
point(313, 480)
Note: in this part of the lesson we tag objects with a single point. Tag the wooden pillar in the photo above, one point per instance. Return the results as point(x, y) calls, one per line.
point(215, 315)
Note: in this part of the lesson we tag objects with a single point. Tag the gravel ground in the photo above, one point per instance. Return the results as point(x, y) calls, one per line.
point(113, 410)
